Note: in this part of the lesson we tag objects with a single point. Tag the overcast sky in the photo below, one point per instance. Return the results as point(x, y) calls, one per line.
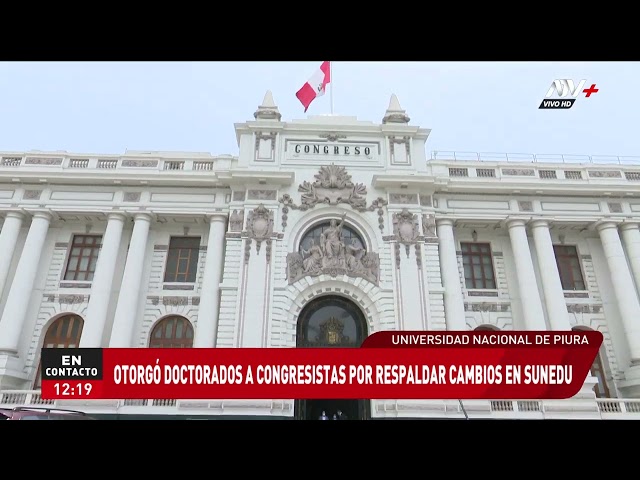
point(108, 107)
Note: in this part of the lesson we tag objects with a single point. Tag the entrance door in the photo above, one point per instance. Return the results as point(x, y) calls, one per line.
point(331, 322)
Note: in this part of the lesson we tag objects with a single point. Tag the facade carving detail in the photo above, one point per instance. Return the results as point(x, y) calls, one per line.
point(236, 221)
point(333, 256)
point(332, 186)
point(259, 228)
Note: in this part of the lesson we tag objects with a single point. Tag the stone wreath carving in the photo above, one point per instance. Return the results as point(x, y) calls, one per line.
point(333, 256)
point(332, 186)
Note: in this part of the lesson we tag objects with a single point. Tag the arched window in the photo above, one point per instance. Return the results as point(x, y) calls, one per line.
point(597, 370)
point(172, 332)
point(486, 328)
point(348, 233)
point(64, 332)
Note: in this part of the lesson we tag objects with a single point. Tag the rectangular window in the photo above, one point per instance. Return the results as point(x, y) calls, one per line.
point(182, 259)
point(478, 266)
point(83, 257)
point(569, 267)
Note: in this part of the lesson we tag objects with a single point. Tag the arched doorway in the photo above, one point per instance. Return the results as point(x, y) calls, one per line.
point(331, 322)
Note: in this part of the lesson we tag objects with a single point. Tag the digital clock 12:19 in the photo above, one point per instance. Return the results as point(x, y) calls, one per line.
point(71, 389)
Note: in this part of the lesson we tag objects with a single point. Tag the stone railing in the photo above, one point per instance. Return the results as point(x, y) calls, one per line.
point(611, 408)
point(121, 164)
point(534, 158)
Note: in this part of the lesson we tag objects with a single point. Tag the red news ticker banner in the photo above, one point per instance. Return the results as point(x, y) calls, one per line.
point(389, 365)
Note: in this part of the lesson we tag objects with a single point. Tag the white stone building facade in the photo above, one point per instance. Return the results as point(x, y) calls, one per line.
point(168, 249)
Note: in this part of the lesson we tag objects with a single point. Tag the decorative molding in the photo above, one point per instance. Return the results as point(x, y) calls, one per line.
point(332, 186)
point(160, 248)
point(140, 163)
point(403, 198)
point(239, 195)
point(615, 207)
point(195, 301)
point(332, 137)
point(425, 200)
point(32, 194)
point(233, 235)
point(584, 308)
point(63, 245)
point(259, 228)
point(576, 294)
point(605, 174)
point(525, 206)
point(476, 293)
point(486, 307)
point(405, 229)
point(74, 285)
point(236, 221)
point(262, 195)
point(72, 299)
point(132, 197)
point(43, 161)
point(519, 172)
point(178, 287)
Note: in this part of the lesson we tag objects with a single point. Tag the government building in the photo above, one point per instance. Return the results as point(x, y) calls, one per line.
point(318, 233)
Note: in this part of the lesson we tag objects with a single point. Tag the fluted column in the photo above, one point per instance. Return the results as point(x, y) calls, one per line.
point(8, 240)
point(529, 295)
point(453, 299)
point(622, 282)
point(550, 276)
point(102, 283)
point(631, 237)
point(126, 313)
point(15, 310)
point(209, 309)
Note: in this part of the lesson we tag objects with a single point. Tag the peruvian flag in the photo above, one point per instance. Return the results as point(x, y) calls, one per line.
point(315, 86)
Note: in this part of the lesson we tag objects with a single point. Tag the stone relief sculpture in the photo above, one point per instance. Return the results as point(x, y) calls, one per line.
point(333, 256)
point(259, 228)
point(236, 220)
point(429, 226)
point(405, 228)
point(332, 186)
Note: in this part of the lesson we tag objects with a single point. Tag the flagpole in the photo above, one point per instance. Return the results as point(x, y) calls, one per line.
point(331, 85)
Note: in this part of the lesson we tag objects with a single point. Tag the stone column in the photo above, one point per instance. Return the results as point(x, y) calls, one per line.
point(622, 282)
point(15, 310)
point(126, 314)
point(102, 283)
point(529, 296)
point(631, 237)
point(209, 309)
point(8, 240)
point(551, 284)
point(453, 299)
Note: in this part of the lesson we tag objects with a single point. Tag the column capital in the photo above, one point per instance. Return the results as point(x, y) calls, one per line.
point(217, 217)
point(14, 214)
point(539, 222)
point(143, 216)
point(516, 222)
point(629, 225)
point(117, 216)
point(445, 221)
point(606, 225)
point(42, 214)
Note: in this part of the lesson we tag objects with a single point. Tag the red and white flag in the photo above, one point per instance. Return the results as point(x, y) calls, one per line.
point(315, 86)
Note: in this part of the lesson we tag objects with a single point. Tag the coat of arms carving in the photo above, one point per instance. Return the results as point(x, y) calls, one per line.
point(259, 227)
point(405, 228)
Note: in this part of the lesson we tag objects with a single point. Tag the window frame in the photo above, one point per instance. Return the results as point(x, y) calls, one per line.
point(195, 264)
point(171, 341)
point(43, 344)
point(583, 278)
point(69, 256)
point(479, 254)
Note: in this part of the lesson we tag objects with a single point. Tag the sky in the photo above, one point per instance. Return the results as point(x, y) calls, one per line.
point(109, 107)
